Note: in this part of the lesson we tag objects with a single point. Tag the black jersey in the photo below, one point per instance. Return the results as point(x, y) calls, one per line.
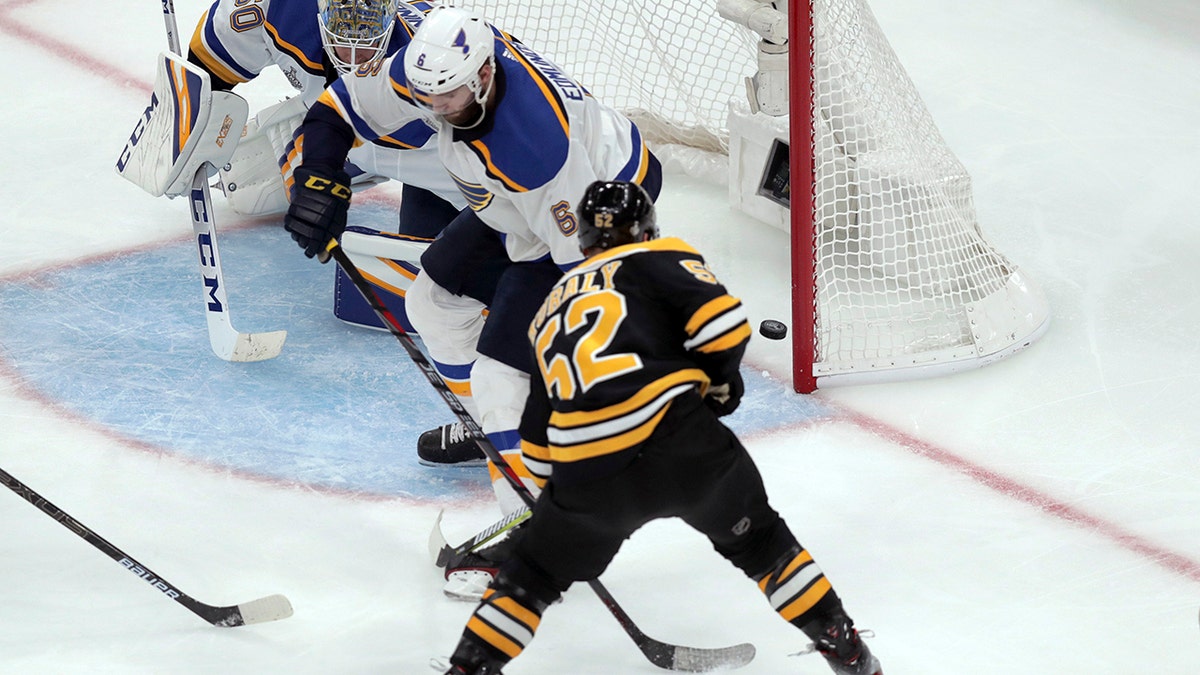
point(618, 338)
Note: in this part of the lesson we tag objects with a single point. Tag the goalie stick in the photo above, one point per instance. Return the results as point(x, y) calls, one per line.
point(227, 342)
point(661, 654)
point(270, 608)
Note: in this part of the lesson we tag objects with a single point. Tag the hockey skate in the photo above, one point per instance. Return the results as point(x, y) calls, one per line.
point(469, 578)
point(839, 642)
point(477, 662)
point(485, 669)
point(449, 445)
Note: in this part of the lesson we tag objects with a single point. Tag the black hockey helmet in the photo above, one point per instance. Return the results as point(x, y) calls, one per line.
point(613, 213)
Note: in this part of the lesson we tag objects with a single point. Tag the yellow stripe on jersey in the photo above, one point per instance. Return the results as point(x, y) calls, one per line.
point(708, 311)
point(538, 452)
point(293, 50)
point(477, 196)
point(393, 142)
point(643, 163)
point(540, 79)
point(406, 93)
point(536, 460)
point(212, 63)
point(646, 395)
point(492, 169)
point(664, 244)
point(294, 152)
point(327, 98)
point(729, 340)
point(587, 434)
point(607, 446)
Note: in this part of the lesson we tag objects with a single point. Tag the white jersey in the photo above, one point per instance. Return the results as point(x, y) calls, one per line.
point(523, 169)
point(236, 41)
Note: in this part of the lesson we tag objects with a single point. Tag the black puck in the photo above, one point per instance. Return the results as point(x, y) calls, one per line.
point(772, 329)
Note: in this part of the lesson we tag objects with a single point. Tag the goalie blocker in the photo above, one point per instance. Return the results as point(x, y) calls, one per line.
point(185, 125)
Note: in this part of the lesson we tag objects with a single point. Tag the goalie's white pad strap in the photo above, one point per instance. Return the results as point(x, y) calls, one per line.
point(185, 125)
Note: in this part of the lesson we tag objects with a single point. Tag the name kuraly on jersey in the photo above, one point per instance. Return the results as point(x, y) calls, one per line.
point(617, 339)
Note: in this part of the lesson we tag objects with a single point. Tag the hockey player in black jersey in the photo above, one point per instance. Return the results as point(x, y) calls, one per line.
point(638, 349)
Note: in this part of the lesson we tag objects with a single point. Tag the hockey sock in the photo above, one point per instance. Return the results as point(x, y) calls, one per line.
point(797, 589)
point(501, 627)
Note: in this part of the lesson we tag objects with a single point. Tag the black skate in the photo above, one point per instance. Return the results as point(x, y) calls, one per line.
point(838, 641)
point(484, 669)
point(449, 445)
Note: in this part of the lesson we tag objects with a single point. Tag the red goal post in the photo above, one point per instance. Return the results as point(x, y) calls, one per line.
point(892, 275)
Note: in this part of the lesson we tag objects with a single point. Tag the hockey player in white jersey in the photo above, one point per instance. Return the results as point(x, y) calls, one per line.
point(522, 140)
point(312, 42)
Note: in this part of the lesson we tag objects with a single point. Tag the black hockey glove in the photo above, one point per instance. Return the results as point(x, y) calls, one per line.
point(318, 210)
point(724, 398)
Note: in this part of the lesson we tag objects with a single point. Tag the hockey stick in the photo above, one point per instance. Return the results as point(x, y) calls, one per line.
point(661, 654)
point(270, 608)
point(444, 555)
point(226, 341)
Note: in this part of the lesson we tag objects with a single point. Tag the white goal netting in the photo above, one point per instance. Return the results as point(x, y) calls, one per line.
point(906, 283)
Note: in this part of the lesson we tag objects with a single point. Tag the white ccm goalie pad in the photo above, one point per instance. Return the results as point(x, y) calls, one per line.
point(185, 125)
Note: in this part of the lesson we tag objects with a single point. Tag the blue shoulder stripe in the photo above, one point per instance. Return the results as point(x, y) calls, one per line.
point(529, 139)
point(338, 90)
point(295, 32)
point(639, 159)
point(412, 135)
point(399, 80)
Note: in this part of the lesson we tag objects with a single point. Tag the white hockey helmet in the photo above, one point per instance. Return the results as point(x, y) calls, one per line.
point(360, 29)
point(447, 52)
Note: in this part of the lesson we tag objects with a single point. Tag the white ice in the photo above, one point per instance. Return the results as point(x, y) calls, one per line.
point(1040, 515)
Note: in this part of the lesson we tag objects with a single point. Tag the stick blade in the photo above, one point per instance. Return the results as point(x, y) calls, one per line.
point(439, 548)
point(262, 610)
point(697, 660)
point(250, 347)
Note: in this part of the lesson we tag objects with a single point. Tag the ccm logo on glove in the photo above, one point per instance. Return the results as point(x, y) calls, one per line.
point(326, 185)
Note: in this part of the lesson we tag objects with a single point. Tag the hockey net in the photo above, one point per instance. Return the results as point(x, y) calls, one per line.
point(893, 277)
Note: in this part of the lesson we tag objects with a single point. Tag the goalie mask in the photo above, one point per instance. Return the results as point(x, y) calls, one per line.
point(443, 62)
point(613, 213)
point(356, 32)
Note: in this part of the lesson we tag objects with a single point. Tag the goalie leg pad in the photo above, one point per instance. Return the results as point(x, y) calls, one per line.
point(185, 125)
point(390, 263)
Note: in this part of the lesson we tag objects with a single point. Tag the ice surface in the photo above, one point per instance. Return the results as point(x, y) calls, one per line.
point(1035, 516)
